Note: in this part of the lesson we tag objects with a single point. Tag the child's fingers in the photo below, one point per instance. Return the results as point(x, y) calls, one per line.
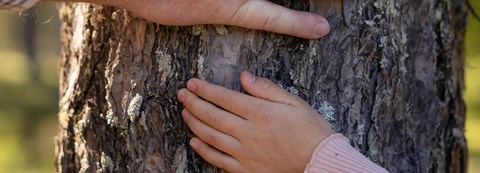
point(211, 114)
point(266, 89)
point(213, 137)
point(235, 102)
point(216, 157)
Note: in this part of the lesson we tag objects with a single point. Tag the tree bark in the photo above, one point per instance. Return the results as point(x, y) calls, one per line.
point(389, 76)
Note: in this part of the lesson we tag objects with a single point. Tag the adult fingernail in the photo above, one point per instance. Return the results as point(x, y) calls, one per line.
point(249, 77)
point(322, 28)
point(194, 143)
point(323, 20)
point(181, 95)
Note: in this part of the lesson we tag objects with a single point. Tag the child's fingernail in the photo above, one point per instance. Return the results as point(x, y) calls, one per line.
point(194, 143)
point(181, 95)
point(185, 115)
point(191, 85)
point(250, 77)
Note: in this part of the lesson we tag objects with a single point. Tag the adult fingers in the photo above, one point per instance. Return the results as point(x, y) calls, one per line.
point(266, 89)
point(210, 114)
point(219, 140)
point(265, 15)
point(253, 14)
point(215, 157)
point(235, 102)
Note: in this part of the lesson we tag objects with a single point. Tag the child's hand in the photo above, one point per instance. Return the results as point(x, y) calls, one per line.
point(270, 131)
point(253, 14)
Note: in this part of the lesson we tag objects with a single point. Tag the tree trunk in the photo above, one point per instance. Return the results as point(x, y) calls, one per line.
point(389, 76)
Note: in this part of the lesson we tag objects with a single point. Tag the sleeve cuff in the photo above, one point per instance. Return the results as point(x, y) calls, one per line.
point(335, 154)
point(16, 5)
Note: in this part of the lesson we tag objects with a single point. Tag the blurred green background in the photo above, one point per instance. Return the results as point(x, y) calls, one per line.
point(472, 87)
point(29, 47)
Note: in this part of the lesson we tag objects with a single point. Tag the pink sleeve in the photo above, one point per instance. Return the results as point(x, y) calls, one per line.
point(335, 154)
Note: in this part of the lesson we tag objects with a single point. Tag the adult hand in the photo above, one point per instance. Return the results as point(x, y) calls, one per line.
point(270, 130)
point(253, 14)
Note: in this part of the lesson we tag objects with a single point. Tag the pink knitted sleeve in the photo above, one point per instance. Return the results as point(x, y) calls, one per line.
point(335, 154)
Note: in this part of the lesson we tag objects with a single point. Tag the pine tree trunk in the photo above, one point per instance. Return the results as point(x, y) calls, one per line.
point(389, 76)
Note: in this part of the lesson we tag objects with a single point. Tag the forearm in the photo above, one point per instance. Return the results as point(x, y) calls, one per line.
point(103, 2)
point(16, 5)
point(19, 5)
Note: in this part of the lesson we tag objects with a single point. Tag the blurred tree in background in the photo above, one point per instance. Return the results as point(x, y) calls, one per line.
point(29, 92)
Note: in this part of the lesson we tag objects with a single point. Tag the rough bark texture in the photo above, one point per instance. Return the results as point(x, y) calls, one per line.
point(389, 76)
